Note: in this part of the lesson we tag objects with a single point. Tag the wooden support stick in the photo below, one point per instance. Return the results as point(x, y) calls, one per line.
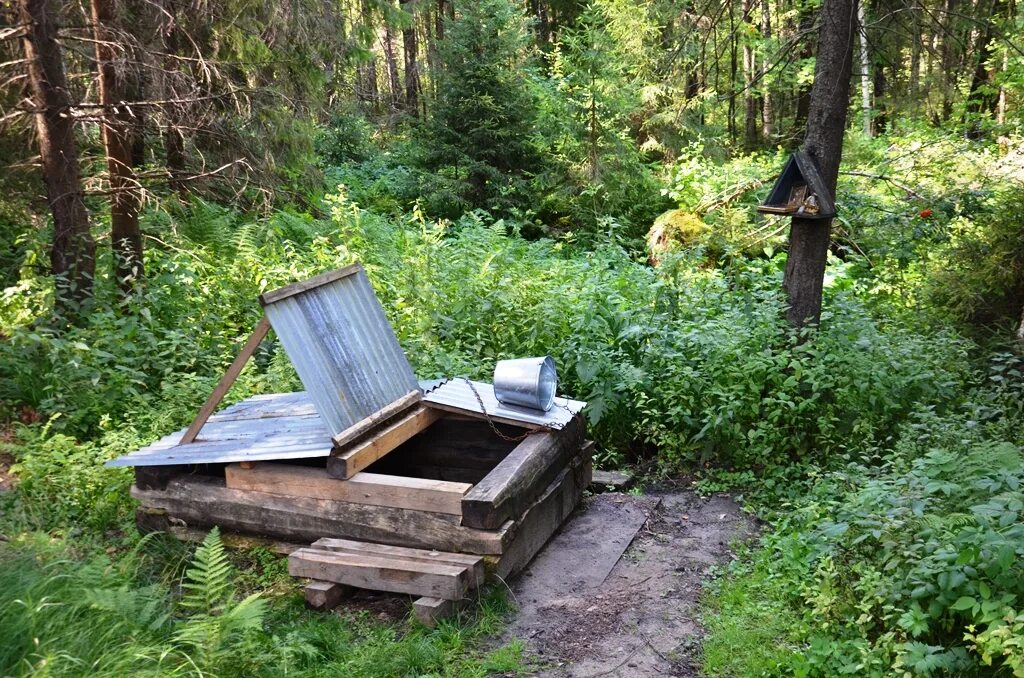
point(258, 333)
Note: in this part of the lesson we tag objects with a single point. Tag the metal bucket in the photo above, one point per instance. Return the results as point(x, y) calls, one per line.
point(527, 382)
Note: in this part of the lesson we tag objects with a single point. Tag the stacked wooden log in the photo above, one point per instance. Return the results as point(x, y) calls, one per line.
point(442, 580)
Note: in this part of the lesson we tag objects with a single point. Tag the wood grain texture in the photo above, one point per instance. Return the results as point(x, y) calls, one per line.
point(421, 494)
point(429, 611)
point(225, 383)
point(366, 425)
point(204, 502)
point(545, 516)
point(346, 462)
point(521, 477)
point(439, 580)
point(475, 564)
point(325, 595)
point(303, 285)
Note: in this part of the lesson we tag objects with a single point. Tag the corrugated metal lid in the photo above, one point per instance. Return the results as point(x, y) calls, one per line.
point(336, 335)
point(458, 395)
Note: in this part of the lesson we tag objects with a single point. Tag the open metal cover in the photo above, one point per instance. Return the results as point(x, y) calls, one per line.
point(336, 335)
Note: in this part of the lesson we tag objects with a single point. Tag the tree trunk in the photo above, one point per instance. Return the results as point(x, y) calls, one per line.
point(118, 125)
point(411, 49)
point(803, 97)
point(881, 116)
point(948, 56)
point(915, 51)
point(392, 66)
point(732, 74)
point(768, 103)
point(72, 255)
point(750, 99)
point(826, 123)
point(865, 68)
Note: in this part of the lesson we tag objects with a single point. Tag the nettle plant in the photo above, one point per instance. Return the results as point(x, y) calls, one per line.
point(919, 571)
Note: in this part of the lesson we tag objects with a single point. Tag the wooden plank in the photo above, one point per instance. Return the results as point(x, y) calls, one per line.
point(345, 463)
point(325, 595)
point(616, 480)
point(432, 610)
point(363, 488)
point(280, 293)
point(545, 516)
point(204, 502)
point(222, 388)
point(475, 564)
point(366, 425)
point(156, 520)
point(439, 580)
point(521, 477)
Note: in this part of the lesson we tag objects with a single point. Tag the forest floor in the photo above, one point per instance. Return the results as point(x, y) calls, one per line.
point(616, 591)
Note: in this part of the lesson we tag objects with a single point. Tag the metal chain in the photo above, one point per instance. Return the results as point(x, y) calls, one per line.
point(483, 410)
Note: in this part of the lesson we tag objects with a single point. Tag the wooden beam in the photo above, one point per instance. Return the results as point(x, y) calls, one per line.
point(258, 334)
point(420, 494)
point(345, 463)
point(325, 595)
point(432, 610)
point(545, 516)
point(474, 563)
point(521, 477)
point(204, 502)
point(439, 580)
point(364, 426)
point(280, 293)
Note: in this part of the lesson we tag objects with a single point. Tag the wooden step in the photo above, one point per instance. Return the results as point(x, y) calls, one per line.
point(383, 573)
point(475, 564)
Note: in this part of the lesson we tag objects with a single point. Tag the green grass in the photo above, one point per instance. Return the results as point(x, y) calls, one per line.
point(749, 630)
point(71, 609)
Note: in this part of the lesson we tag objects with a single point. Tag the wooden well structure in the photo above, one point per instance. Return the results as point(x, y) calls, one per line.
point(400, 485)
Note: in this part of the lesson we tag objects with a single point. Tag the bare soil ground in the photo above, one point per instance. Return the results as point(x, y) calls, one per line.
point(585, 612)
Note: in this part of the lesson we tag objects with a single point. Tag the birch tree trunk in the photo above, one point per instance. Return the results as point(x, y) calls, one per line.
point(865, 68)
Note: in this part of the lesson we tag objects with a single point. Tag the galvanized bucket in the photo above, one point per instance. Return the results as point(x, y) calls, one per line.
point(527, 382)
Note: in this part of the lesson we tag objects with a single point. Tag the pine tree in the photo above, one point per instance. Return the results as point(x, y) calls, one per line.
point(485, 113)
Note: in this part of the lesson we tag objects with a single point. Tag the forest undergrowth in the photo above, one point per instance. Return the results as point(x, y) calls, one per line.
point(883, 448)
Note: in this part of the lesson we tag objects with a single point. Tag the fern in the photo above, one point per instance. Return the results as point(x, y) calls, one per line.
point(217, 625)
point(208, 579)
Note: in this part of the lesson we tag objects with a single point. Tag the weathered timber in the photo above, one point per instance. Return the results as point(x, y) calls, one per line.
point(475, 564)
point(432, 610)
point(366, 425)
point(304, 285)
point(439, 580)
point(325, 595)
point(521, 477)
point(156, 520)
point(222, 388)
point(346, 462)
point(545, 516)
point(157, 477)
point(203, 502)
point(436, 496)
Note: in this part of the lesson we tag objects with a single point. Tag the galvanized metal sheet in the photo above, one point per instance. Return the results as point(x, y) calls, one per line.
point(259, 428)
point(343, 349)
point(458, 394)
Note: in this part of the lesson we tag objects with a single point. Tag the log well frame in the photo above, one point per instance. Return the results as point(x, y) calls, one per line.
point(513, 502)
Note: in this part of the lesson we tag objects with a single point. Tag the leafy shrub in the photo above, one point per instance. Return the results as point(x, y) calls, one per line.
point(913, 565)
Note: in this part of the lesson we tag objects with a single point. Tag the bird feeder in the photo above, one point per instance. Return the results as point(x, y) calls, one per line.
point(799, 191)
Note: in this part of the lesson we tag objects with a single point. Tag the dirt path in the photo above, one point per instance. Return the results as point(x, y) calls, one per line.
point(584, 612)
